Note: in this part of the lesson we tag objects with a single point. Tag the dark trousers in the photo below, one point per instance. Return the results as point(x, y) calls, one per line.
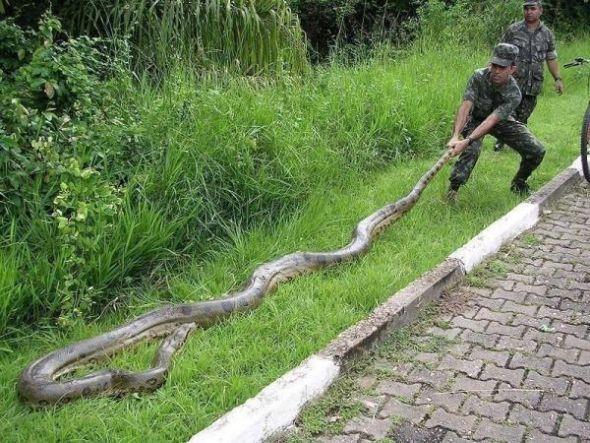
point(516, 135)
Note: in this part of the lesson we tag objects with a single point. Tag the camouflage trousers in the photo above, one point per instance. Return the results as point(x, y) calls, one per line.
point(516, 135)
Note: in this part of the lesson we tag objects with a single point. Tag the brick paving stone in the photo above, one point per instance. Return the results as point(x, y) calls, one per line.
point(399, 370)
point(406, 432)
point(545, 421)
point(501, 329)
point(571, 294)
point(459, 349)
point(451, 437)
point(529, 397)
point(557, 314)
point(458, 423)
point(507, 285)
point(513, 344)
point(560, 283)
point(429, 358)
point(575, 306)
point(574, 276)
point(512, 376)
point(500, 358)
point(372, 427)
point(518, 308)
point(487, 303)
point(531, 289)
point(532, 299)
point(533, 322)
point(499, 432)
point(451, 402)
point(571, 426)
point(562, 368)
point(511, 296)
point(449, 334)
point(469, 367)
point(478, 338)
point(527, 279)
point(395, 408)
point(543, 337)
point(487, 314)
point(579, 331)
point(548, 384)
point(541, 365)
point(580, 389)
point(568, 355)
point(575, 407)
point(574, 342)
point(535, 436)
point(437, 379)
point(469, 313)
point(494, 410)
point(584, 358)
point(483, 389)
point(465, 323)
point(398, 389)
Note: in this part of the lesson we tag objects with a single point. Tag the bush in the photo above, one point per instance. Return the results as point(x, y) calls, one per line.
point(51, 160)
point(467, 22)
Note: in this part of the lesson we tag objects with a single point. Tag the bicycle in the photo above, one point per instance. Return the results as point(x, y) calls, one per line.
point(585, 132)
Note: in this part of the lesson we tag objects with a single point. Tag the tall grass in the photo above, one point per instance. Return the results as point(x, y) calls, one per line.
point(243, 36)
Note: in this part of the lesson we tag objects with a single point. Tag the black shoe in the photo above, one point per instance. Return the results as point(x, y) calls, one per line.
point(498, 146)
point(520, 187)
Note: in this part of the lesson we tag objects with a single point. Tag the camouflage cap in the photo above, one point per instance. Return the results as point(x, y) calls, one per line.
point(504, 54)
point(532, 3)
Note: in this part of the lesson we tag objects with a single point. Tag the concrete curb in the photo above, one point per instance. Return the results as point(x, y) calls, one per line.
point(278, 405)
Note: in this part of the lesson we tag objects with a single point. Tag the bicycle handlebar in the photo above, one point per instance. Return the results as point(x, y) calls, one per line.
point(578, 61)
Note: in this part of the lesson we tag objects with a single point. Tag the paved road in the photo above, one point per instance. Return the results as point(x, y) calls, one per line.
point(505, 357)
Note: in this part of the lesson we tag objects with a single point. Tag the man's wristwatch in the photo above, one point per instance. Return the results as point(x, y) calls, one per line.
point(469, 140)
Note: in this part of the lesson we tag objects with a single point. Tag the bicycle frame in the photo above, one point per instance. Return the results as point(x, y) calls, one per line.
point(585, 131)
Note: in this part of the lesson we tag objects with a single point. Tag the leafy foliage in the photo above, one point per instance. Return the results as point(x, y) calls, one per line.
point(467, 22)
point(51, 96)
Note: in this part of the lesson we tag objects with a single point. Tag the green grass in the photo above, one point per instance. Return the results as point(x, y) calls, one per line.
point(221, 367)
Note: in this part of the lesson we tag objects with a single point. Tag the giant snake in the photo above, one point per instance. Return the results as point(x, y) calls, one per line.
point(40, 383)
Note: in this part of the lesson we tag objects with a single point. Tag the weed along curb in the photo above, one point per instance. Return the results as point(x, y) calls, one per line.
point(279, 404)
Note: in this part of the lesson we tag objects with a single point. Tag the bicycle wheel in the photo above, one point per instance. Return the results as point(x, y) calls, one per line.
point(585, 144)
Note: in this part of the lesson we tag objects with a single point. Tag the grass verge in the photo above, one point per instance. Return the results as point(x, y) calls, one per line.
point(223, 366)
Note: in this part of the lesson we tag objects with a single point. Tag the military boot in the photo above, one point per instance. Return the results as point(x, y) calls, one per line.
point(520, 187)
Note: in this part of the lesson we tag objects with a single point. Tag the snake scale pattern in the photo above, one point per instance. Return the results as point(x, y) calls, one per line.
point(40, 385)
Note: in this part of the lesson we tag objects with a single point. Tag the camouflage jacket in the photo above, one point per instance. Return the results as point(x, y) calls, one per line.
point(534, 48)
point(488, 98)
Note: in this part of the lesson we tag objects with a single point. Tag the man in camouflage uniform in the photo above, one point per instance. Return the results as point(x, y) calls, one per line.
point(489, 101)
point(536, 44)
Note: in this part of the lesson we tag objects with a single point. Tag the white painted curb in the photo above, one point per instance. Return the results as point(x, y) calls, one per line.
point(275, 407)
point(491, 239)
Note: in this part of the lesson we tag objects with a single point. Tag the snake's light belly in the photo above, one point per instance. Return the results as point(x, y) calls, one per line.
point(40, 385)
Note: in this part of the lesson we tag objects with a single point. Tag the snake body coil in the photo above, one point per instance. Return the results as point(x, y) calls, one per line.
point(40, 384)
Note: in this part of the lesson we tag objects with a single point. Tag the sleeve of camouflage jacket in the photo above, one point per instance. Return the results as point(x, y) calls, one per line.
point(551, 52)
point(469, 94)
